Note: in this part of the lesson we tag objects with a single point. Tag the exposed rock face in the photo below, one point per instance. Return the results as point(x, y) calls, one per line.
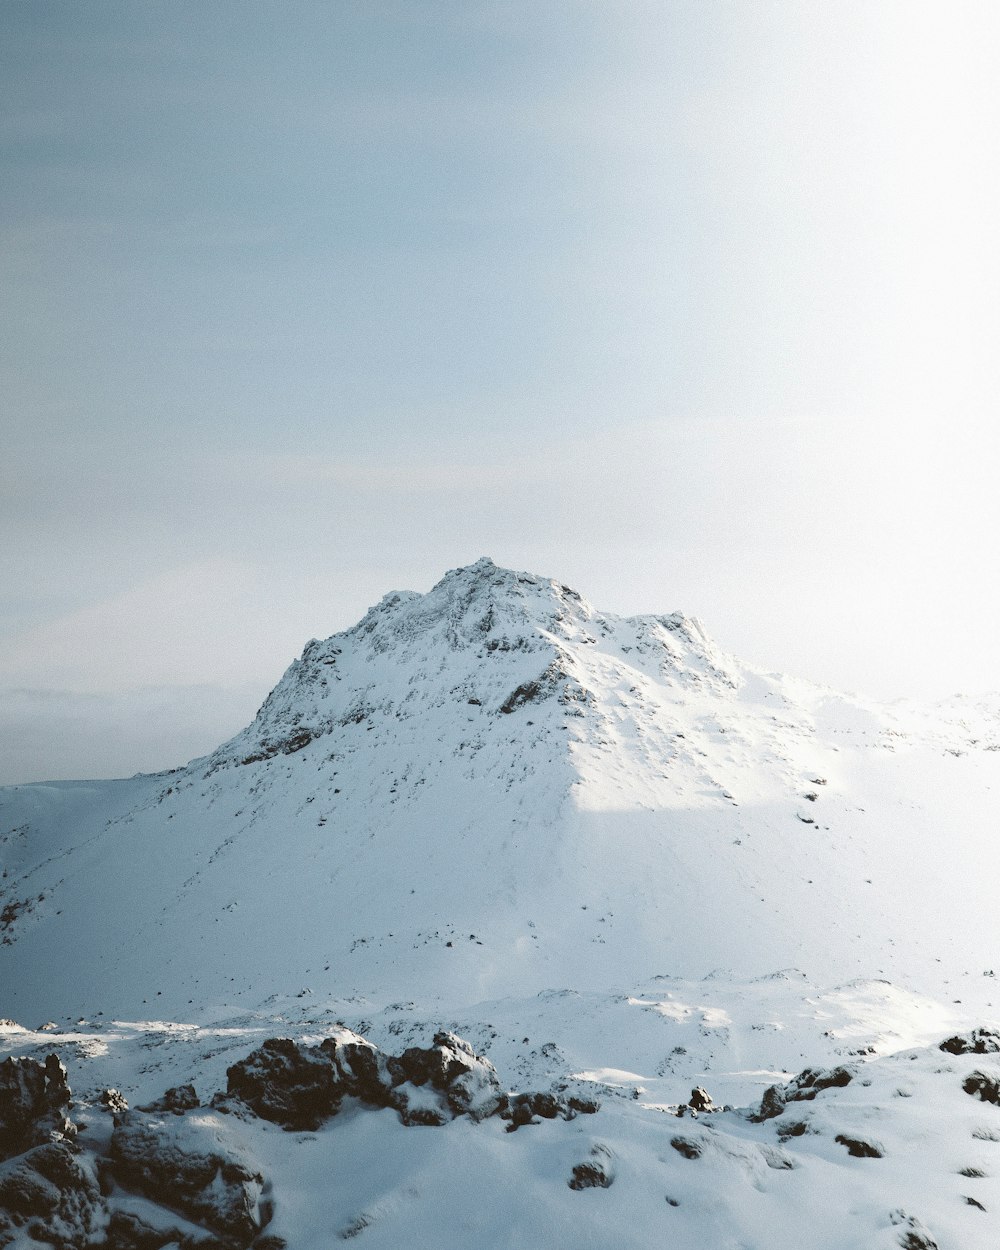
point(521, 1109)
point(299, 1087)
point(524, 1108)
point(194, 1166)
point(554, 681)
point(360, 1067)
point(48, 1189)
point(34, 1104)
point(802, 1088)
point(289, 1084)
point(913, 1233)
point(114, 1100)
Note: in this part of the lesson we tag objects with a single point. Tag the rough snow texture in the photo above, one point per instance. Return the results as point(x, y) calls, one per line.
point(584, 843)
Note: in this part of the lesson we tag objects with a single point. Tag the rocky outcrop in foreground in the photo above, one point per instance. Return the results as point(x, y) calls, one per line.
point(178, 1174)
point(309, 1143)
point(48, 1187)
point(802, 1088)
point(300, 1086)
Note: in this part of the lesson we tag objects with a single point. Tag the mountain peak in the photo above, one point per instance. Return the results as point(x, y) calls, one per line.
point(483, 566)
point(474, 601)
point(483, 637)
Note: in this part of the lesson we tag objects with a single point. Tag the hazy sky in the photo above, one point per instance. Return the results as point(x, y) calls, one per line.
point(689, 303)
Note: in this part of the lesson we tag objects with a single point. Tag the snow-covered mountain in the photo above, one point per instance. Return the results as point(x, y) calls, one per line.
point(494, 788)
point(598, 847)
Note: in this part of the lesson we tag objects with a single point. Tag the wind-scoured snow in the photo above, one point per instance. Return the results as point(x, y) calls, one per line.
point(598, 847)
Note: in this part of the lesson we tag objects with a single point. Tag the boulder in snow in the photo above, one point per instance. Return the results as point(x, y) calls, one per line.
point(802, 1088)
point(466, 1083)
point(596, 1172)
point(50, 1194)
point(983, 1085)
point(858, 1148)
point(191, 1165)
point(300, 1086)
point(292, 1085)
point(177, 1100)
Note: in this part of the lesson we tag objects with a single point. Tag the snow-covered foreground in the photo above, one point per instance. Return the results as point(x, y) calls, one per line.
point(585, 844)
point(900, 1151)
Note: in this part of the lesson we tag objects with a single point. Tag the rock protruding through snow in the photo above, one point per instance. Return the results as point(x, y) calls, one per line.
point(193, 1165)
point(34, 1104)
point(301, 1086)
point(802, 1088)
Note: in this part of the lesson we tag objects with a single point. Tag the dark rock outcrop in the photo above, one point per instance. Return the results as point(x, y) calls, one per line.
point(597, 1172)
point(554, 681)
point(50, 1194)
point(687, 1146)
point(983, 1085)
point(192, 1166)
point(300, 1086)
point(917, 1239)
point(913, 1233)
point(802, 1088)
point(978, 1042)
point(466, 1083)
point(34, 1104)
point(174, 1173)
point(522, 1109)
point(291, 1085)
point(360, 1068)
point(177, 1099)
point(114, 1101)
point(859, 1148)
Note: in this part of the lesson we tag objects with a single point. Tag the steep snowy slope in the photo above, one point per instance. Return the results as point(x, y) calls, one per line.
point(491, 789)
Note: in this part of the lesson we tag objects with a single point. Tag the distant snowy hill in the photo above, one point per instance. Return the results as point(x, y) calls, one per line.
point(598, 847)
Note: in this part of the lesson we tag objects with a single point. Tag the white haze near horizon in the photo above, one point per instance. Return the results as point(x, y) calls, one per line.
point(689, 305)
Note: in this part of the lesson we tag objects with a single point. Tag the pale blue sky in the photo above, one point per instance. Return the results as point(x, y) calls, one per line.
point(690, 304)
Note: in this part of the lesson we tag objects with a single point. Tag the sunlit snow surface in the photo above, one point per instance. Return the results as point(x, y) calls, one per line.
point(599, 849)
